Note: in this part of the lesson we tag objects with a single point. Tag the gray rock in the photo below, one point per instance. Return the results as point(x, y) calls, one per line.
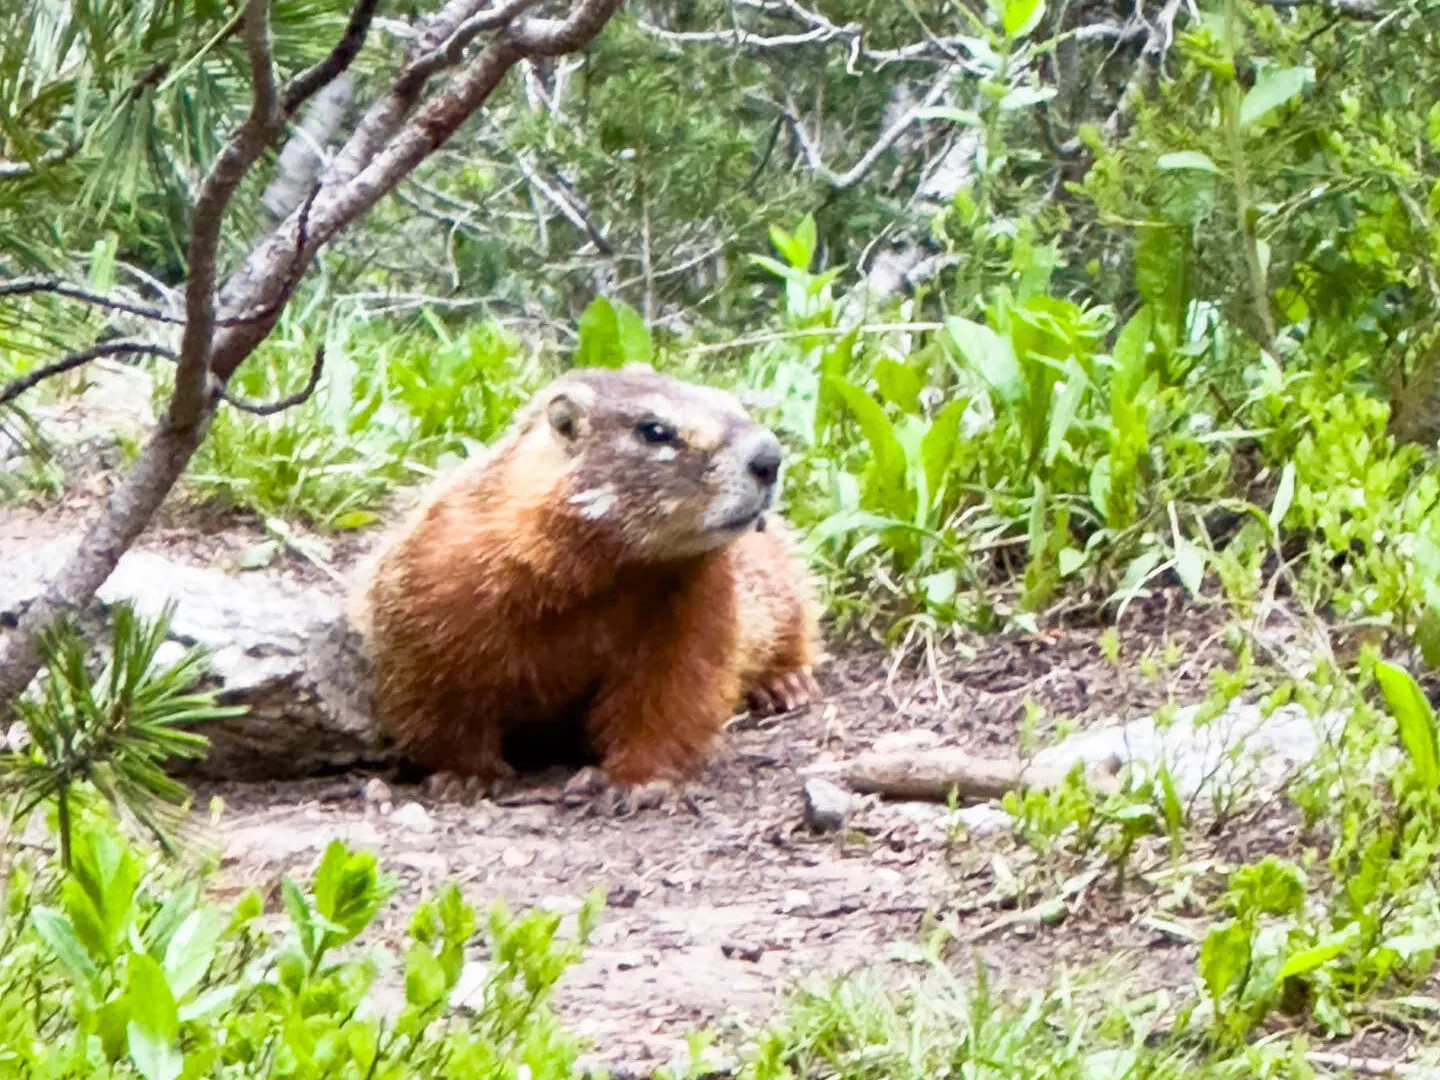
point(826, 805)
point(1239, 752)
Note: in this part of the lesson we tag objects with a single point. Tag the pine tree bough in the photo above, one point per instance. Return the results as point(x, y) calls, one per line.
point(400, 130)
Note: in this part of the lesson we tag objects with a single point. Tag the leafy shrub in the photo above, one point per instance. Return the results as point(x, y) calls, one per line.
point(122, 968)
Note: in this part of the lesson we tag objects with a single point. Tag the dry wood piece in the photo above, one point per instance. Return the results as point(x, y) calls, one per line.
point(934, 773)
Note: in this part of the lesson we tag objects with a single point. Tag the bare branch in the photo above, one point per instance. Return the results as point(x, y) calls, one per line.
point(310, 82)
point(888, 138)
point(189, 403)
point(289, 401)
point(12, 390)
point(379, 156)
point(32, 286)
point(817, 30)
point(351, 186)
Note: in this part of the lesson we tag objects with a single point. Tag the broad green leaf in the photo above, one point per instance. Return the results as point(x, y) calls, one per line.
point(57, 931)
point(635, 344)
point(424, 978)
point(937, 448)
point(1269, 887)
point(1415, 718)
point(1070, 560)
point(210, 1003)
point(1322, 952)
point(1271, 90)
point(1189, 565)
point(1223, 956)
point(1100, 474)
point(154, 1026)
point(990, 355)
point(805, 239)
point(889, 455)
point(612, 334)
point(949, 112)
point(834, 362)
point(1284, 496)
point(1023, 96)
point(111, 1022)
point(1129, 353)
point(1187, 159)
point(1021, 17)
point(939, 588)
point(1159, 269)
point(1067, 407)
point(188, 955)
point(898, 384)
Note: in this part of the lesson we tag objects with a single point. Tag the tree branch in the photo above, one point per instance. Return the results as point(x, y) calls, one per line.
point(310, 82)
point(352, 186)
point(380, 154)
point(12, 390)
point(289, 401)
point(888, 138)
point(191, 400)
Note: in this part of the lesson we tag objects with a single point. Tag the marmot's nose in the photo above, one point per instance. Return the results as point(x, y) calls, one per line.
point(765, 457)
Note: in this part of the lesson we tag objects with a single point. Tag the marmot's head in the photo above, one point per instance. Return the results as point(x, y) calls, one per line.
point(669, 468)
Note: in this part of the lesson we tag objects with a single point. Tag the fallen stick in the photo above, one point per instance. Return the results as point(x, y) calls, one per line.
point(933, 773)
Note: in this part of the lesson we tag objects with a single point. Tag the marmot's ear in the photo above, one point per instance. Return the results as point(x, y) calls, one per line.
point(566, 414)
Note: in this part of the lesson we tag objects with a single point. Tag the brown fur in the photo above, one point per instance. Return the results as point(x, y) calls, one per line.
point(576, 570)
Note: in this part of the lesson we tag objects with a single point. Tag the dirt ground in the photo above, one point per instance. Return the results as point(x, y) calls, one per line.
point(712, 919)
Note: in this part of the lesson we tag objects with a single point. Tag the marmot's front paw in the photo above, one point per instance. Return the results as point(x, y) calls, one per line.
point(453, 787)
point(785, 694)
point(592, 789)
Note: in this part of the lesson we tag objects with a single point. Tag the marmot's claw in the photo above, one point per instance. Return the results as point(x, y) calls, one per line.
point(453, 787)
point(592, 789)
point(789, 692)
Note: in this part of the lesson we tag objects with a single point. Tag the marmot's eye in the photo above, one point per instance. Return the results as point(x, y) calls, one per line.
point(652, 431)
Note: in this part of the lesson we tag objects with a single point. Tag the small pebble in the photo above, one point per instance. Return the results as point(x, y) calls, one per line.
point(377, 792)
point(741, 950)
point(827, 805)
point(413, 816)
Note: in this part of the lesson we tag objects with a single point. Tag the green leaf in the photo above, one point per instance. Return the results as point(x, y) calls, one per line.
point(111, 1022)
point(1326, 949)
point(1129, 353)
point(1067, 407)
point(898, 385)
point(937, 447)
point(1021, 17)
point(188, 955)
point(635, 345)
point(1188, 159)
point(949, 112)
point(1023, 96)
point(612, 334)
point(57, 932)
point(990, 355)
point(1271, 90)
point(1159, 269)
point(1284, 496)
point(1070, 560)
point(1189, 565)
point(889, 455)
point(424, 978)
point(1223, 956)
point(154, 1027)
point(939, 588)
point(1416, 721)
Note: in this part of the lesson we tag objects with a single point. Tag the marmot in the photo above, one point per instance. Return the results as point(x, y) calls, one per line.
point(611, 559)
